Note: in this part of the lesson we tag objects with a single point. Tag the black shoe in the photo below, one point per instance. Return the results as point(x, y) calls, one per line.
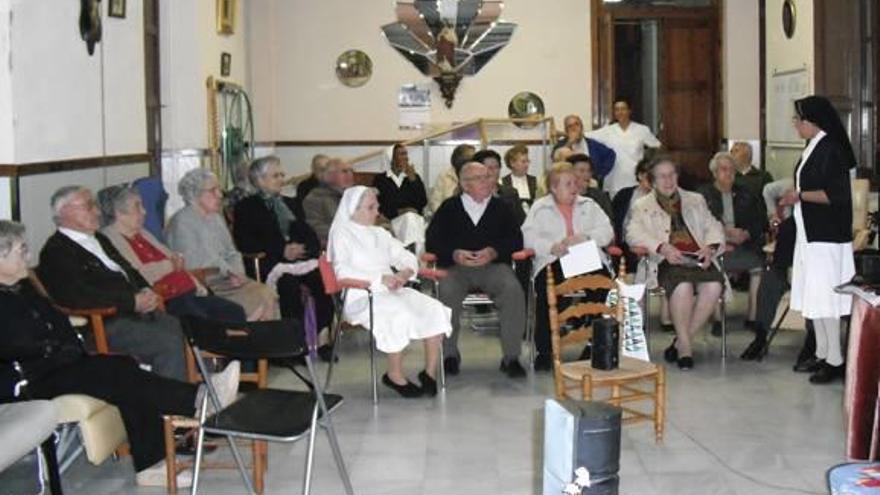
point(408, 391)
point(803, 357)
point(716, 329)
point(809, 365)
point(451, 365)
point(827, 373)
point(188, 447)
point(671, 353)
point(754, 350)
point(685, 363)
point(512, 368)
point(667, 327)
point(325, 353)
point(586, 353)
point(429, 385)
point(543, 362)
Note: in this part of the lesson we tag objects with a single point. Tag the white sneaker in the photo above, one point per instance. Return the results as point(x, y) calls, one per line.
point(225, 384)
point(155, 475)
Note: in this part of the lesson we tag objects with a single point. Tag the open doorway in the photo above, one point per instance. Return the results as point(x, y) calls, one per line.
point(664, 58)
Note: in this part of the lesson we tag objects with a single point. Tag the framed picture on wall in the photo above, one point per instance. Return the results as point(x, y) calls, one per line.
point(116, 8)
point(226, 16)
point(225, 64)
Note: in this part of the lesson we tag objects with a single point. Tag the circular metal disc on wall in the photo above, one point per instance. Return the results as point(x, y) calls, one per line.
point(525, 105)
point(354, 68)
point(789, 18)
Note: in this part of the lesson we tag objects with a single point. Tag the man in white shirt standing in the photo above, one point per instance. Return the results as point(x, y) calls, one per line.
point(80, 268)
point(628, 139)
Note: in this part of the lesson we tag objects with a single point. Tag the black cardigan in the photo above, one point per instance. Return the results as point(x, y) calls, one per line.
point(76, 278)
point(255, 230)
point(35, 334)
point(451, 228)
point(747, 212)
point(826, 169)
point(410, 194)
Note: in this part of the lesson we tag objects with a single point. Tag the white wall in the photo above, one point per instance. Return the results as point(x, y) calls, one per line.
point(785, 54)
point(190, 50)
point(7, 139)
point(741, 69)
point(295, 43)
point(65, 103)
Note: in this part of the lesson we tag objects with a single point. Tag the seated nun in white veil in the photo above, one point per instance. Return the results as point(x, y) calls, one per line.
point(358, 249)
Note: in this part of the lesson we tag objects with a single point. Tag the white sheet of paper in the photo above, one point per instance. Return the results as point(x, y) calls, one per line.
point(635, 291)
point(581, 258)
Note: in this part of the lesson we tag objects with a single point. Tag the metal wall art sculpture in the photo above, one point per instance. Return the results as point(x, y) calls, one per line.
point(449, 39)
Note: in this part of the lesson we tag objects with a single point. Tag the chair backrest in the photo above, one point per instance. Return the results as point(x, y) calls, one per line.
point(249, 340)
point(154, 198)
point(569, 287)
point(328, 276)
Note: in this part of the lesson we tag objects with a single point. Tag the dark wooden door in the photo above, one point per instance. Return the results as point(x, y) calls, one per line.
point(688, 95)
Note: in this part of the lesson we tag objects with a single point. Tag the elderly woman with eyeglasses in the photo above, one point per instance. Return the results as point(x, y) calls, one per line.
point(41, 357)
point(199, 232)
point(555, 223)
point(123, 218)
point(681, 237)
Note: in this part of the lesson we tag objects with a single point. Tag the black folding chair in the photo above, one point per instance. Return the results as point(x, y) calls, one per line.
point(265, 414)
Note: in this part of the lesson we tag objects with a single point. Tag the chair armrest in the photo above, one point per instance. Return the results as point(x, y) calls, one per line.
point(202, 274)
point(614, 250)
point(523, 254)
point(87, 312)
point(432, 274)
point(257, 256)
point(353, 283)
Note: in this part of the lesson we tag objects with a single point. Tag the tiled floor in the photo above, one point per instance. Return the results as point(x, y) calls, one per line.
point(743, 428)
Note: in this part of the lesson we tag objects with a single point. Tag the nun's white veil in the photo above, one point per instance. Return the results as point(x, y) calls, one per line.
point(342, 222)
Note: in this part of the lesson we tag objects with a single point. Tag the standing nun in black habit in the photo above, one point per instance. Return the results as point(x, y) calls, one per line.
point(823, 253)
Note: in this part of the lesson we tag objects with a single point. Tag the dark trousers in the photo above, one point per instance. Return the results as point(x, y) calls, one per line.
point(142, 398)
point(542, 308)
point(770, 291)
point(500, 283)
point(211, 307)
point(290, 297)
point(153, 338)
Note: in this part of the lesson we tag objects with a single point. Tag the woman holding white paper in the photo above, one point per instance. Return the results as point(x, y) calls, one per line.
point(680, 235)
point(555, 223)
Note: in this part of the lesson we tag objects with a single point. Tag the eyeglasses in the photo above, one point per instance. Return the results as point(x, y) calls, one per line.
point(88, 205)
point(20, 249)
point(213, 190)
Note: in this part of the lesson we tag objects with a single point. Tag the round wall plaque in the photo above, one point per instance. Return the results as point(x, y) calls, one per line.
point(354, 68)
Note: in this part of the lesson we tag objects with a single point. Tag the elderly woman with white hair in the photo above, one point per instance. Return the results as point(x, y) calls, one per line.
point(184, 295)
point(744, 223)
point(358, 249)
point(555, 223)
point(681, 237)
point(199, 232)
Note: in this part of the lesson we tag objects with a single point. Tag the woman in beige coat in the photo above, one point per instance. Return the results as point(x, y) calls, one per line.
point(681, 237)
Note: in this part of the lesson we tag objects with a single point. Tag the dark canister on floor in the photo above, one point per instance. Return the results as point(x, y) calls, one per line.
point(606, 344)
point(581, 434)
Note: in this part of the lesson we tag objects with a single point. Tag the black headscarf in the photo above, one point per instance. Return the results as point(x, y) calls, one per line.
point(818, 110)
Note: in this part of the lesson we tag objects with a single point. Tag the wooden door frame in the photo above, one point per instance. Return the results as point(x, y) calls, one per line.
point(602, 15)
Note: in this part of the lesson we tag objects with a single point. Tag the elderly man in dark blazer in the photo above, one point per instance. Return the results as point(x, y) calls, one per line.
point(80, 268)
point(473, 236)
